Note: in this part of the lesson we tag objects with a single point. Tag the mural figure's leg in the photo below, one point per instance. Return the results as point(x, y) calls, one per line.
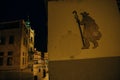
point(95, 44)
point(87, 44)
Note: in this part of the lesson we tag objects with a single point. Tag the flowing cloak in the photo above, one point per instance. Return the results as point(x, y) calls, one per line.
point(90, 30)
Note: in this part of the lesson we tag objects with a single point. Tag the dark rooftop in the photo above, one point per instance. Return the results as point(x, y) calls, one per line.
point(9, 25)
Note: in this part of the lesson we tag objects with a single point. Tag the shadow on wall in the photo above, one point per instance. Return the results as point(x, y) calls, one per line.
point(87, 69)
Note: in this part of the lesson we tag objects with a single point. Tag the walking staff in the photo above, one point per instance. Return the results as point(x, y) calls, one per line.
point(78, 21)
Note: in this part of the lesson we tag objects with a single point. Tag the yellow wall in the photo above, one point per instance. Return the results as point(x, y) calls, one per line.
point(64, 41)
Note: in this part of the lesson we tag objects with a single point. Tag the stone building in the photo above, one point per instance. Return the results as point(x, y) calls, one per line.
point(16, 39)
point(31, 41)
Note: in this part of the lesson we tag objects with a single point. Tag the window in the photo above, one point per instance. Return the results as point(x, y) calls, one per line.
point(23, 53)
point(31, 39)
point(11, 39)
point(1, 58)
point(10, 58)
point(9, 61)
point(23, 61)
point(31, 49)
point(25, 29)
point(2, 54)
point(10, 53)
point(1, 61)
point(25, 42)
point(2, 40)
point(35, 61)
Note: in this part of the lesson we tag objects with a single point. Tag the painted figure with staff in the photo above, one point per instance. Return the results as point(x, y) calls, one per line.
point(90, 31)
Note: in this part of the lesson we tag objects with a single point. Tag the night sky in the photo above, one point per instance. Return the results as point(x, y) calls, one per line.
point(36, 10)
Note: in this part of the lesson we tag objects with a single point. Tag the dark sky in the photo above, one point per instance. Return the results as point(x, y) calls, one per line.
point(36, 9)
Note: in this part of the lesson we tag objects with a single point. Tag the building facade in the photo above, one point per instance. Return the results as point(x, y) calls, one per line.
point(31, 41)
point(15, 37)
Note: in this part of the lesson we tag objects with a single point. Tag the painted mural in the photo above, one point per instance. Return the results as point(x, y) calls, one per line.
point(90, 31)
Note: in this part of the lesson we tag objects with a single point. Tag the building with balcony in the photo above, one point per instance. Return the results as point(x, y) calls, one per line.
point(16, 40)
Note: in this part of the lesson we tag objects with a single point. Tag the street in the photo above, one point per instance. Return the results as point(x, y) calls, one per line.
point(26, 74)
point(13, 75)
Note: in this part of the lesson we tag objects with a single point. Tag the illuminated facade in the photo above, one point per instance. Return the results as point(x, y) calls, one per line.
point(31, 40)
point(16, 38)
point(37, 58)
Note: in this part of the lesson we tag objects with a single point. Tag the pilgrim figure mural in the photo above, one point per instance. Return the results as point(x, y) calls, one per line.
point(90, 31)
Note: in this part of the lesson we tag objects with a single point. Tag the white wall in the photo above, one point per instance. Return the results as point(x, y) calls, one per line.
point(64, 41)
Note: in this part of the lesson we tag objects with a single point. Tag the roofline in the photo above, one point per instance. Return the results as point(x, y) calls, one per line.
point(11, 21)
